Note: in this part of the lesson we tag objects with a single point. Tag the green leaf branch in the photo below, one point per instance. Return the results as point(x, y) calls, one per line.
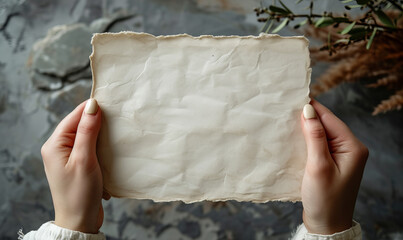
point(364, 29)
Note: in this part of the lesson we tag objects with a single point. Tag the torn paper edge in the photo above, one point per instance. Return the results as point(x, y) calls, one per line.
point(111, 36)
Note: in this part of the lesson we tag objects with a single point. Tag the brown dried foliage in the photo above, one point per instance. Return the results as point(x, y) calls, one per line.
point(395, 102)
point(380, 66)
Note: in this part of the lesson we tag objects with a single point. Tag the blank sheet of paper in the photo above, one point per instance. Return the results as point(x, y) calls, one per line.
point(201, 118)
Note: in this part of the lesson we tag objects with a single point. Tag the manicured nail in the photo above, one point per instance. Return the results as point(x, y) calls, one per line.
point(91, 107)
point(309, 111)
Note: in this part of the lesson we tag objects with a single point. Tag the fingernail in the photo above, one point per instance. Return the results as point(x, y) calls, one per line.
point(91, 107)
point(309, 111)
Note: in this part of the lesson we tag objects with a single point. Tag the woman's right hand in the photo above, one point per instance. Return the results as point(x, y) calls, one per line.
point(334, 168)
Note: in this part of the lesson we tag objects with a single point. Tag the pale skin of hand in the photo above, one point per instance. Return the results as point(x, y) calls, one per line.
point(73, 172)
point(334, 168)
point(335, 164)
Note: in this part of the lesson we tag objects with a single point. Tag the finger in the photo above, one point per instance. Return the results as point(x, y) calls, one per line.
point(106, 195)
point(342, 142)
point(334, 127)
point(62, 139)
point(87, 131)
point(70, 123)
point(315, 137)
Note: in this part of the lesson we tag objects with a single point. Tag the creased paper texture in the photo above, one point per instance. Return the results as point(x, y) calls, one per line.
point(201, 118)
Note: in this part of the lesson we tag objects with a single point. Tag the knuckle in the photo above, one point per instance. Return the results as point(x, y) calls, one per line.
point(362, 152)
point(318, 132)
point(359, 155)
point(78, 155)
point(84, 160)
point(321, 171)
point(86, 128)
point(81, 161)
point(45, 150)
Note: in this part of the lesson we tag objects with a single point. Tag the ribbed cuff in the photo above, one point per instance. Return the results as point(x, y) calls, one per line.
point(50, 230)
point(353, 233)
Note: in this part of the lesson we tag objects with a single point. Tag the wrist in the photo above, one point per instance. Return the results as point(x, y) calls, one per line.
point(324, 227)
point(76, 224)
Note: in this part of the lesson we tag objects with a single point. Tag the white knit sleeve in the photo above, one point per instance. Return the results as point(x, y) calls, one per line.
point(353, 233)
point(50, 231)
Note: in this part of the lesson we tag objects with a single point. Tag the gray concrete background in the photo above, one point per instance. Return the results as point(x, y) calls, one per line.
point(35, 94)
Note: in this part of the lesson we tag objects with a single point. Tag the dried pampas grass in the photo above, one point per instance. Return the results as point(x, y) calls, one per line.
point(380, 66)
point(395, 102)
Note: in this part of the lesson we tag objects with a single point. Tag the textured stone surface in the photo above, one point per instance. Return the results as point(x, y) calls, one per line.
point(60, 103)
point(54, 53)
point(28, 115)
point(51, 58)
point(235, 5)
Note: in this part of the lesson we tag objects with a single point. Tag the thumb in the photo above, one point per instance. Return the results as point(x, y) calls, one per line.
point(315, 136)
point(87, 131)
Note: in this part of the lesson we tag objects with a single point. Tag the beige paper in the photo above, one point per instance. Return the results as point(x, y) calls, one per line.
point(201, 118)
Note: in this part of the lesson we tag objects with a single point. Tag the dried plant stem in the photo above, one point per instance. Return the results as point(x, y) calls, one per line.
point(394, 102)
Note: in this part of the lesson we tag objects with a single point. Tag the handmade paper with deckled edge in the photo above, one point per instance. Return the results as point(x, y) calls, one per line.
point(201, 118)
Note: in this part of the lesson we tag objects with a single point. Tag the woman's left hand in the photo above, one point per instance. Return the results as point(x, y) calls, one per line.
point(73, 172)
